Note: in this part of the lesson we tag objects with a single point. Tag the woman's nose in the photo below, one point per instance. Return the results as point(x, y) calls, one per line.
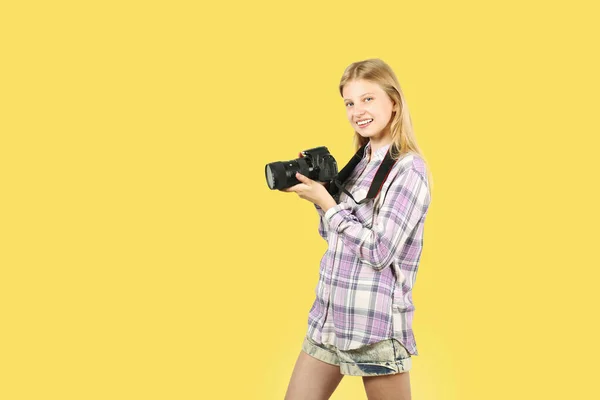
point(358, 111)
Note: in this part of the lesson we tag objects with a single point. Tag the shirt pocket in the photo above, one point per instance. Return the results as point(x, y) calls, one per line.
point(364, 211)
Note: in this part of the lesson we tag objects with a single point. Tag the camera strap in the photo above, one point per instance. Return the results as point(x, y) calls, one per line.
point(380, 176)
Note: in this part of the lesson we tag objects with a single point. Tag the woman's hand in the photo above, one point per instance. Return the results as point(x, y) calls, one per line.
point(313, 191)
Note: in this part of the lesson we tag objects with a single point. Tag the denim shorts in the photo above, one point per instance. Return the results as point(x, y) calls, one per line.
point(382, 358)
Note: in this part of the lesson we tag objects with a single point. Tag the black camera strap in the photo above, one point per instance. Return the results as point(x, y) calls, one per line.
point(380, 176)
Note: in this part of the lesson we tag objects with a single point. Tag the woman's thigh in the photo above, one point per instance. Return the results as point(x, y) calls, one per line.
point(312, 379)
point(388, 387)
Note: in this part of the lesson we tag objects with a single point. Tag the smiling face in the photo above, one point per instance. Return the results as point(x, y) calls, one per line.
point(368, 108)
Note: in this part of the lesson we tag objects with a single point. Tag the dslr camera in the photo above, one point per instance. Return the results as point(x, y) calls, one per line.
point(317, 164)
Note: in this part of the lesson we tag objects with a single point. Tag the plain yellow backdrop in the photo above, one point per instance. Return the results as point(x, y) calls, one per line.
point(142, 255)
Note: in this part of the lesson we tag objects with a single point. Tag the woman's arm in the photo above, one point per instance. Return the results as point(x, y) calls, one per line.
point(405, 204)
point(323, 228)
point(323, 224)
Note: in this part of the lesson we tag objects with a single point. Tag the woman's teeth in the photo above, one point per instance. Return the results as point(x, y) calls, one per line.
point(364, 123)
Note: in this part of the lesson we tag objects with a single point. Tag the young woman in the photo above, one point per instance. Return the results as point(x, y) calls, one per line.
point(361, 320)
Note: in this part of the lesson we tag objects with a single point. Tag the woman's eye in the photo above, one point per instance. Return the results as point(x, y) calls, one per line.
point(368, 98)
point(347, 104)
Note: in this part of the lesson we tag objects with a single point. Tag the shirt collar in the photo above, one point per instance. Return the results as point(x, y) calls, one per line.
point(379, 154)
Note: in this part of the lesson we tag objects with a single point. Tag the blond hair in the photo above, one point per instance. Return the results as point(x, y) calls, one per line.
point(403, 137)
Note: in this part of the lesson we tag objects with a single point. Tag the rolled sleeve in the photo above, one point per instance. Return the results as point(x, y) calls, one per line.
point(323, 224)
point(336, 215)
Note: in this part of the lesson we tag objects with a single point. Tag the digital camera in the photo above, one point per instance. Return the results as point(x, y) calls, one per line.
point(317, 164)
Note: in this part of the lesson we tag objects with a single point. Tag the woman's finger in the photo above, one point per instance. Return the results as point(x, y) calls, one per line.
point(296, 188)
point(302, 178)
point(290, 189)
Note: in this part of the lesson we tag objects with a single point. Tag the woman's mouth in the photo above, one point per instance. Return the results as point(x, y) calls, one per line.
point(364, 123)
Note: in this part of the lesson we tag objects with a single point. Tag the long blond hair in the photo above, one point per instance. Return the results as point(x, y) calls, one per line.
point(403, 137)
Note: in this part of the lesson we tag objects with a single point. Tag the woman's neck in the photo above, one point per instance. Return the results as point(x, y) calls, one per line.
point(376, 145)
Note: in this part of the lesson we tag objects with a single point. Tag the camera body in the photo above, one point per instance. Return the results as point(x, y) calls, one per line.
point(317, 164)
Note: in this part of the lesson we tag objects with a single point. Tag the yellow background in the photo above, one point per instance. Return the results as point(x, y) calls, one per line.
point(144, 257)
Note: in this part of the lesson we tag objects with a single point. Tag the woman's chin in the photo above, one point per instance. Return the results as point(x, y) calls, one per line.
point(366, 135)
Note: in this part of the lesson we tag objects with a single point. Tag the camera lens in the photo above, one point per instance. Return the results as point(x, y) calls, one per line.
point(270, 176)
point(277, 175)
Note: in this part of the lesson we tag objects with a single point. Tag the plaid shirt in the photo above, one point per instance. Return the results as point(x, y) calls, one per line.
point(364, 292)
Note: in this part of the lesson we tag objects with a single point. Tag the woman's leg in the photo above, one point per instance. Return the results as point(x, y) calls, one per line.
point(312, 379)
point(388, 387)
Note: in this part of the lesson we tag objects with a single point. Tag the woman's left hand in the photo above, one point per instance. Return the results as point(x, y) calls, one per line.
point(310, 190)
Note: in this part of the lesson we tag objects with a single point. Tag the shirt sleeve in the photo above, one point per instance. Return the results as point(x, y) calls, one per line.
point(323, 224)
point(404, 205)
